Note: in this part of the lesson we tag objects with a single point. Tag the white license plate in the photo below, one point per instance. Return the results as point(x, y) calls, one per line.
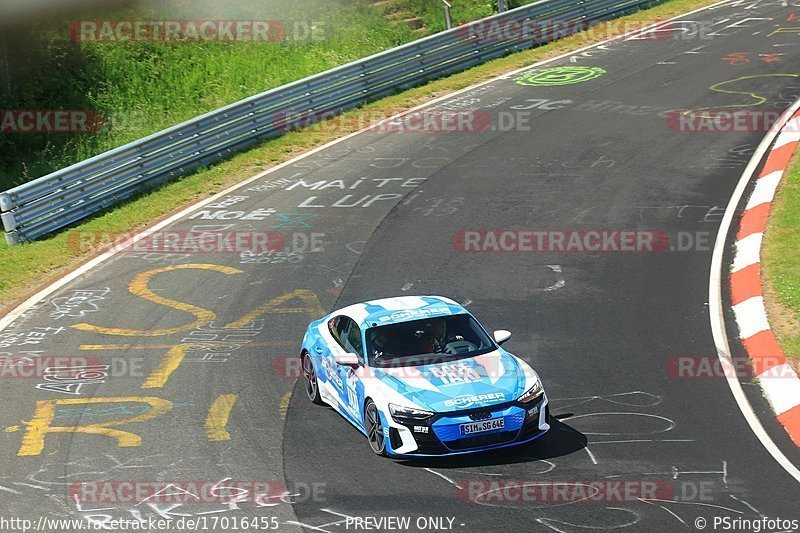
point(480, 427)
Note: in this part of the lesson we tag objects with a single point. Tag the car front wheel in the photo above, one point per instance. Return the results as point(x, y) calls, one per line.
point(311, 383)
point(374, 429)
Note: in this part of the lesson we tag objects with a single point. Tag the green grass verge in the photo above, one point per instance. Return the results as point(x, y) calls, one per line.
point(781, 264)
point(146, 86)
point(25, 267)
point(432, 13)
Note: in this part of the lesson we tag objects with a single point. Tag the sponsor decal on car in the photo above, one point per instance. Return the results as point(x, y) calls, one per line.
point(416, 313)
point(468, 400)
point(456, 374)
point(333, 375)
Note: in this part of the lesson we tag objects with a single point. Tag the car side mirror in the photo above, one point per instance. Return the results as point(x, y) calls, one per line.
point(501, 336)
point(346, 359)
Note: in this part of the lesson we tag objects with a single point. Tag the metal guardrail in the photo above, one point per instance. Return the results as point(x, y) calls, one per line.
point(73, 193)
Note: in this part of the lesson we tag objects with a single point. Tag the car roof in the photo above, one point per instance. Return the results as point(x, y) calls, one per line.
point(399, 309)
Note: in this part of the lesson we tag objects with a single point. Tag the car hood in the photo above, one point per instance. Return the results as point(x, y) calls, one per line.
point(470, 383)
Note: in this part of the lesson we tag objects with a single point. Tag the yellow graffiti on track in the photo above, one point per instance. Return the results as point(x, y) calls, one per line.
point(217, 419)
point(778, 30)
point(286, 399)
point(311, 306)
point(171, 360)
point(40, 425)
point(139, 286)
point(757, 98)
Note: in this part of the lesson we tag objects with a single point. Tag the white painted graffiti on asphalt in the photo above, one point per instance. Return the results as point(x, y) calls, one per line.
point(354, 200)
point(223, 214)
point(71, 379)
point(24, 338)
point(214, 344)
point(269, 185)
point(78, 303)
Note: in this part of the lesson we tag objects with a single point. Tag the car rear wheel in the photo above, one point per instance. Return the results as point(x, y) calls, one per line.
point(311, 384)
point(374, 429)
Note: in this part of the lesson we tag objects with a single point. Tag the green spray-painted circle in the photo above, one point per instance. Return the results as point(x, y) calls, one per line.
point(554, 76)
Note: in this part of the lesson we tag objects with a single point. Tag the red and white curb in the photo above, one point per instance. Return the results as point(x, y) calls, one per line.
point(778, 380)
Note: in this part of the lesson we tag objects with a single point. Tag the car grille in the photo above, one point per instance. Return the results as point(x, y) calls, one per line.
point(480, 415)
point(430, 447)
point(451, 431)
point(481, 440)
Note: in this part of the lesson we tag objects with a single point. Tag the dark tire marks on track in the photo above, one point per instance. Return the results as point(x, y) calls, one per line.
point(609, 333)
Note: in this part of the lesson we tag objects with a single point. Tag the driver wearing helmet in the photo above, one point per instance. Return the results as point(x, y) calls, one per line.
point(435, 338)
point(379, 343)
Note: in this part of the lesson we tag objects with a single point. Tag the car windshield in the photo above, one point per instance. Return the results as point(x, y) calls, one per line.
point(427, 341)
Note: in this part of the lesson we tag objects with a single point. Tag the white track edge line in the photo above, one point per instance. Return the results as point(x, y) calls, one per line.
point(715, 312)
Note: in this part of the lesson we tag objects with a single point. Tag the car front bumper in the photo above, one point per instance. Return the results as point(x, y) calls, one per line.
point(441, 435)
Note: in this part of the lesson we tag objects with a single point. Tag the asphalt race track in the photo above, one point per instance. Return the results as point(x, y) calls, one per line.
point(384, 213)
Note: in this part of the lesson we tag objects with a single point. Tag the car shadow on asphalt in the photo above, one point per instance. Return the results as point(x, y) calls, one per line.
point(559, 441)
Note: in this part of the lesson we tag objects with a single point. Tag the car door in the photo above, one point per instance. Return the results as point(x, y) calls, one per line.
point(353, 399)
point(344, 335)
point(324, 355)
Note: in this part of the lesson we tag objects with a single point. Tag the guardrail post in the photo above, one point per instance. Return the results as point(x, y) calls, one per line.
point(12, 238)
point(10, 225)
point(447, 20)
point(9, 221)
point(5, 202)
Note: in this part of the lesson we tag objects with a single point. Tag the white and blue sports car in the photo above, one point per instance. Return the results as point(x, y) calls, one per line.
point(419, 376)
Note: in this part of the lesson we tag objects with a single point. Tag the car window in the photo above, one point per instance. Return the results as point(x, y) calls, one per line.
point(347, 333)
point(353, 341)
point(336, 326)
point(431, 339)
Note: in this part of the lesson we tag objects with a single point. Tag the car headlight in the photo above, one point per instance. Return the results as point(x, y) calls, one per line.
point(532, 393)
point(408, 413)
